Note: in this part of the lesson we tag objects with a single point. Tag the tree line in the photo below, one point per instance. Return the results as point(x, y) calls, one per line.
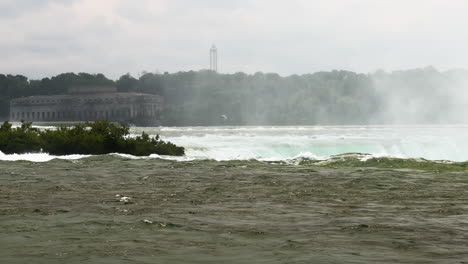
point(207, 98)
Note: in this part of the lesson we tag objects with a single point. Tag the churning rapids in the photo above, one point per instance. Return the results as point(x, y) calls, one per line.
point(302, 143)
point(246, 195)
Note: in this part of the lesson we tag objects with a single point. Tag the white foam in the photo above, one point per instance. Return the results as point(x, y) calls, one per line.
point(128, 156)
point(321, 142)
point(38, 157)
point(296, 143)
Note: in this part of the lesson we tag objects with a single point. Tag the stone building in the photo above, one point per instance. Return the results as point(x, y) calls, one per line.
point(89, 104)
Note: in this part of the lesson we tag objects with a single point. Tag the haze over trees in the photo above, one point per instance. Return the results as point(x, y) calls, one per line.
point(323, 98)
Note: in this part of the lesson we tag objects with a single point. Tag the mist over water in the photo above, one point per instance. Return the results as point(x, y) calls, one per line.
point(415, 96)
point(421, 96)
point(319, 142)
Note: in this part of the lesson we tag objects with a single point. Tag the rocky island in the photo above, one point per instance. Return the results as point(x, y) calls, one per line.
point(94, 138)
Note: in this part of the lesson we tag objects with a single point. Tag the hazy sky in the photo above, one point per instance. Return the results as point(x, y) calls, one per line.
point(45, 37)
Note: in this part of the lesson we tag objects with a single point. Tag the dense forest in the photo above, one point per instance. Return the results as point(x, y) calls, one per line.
point(199, 98)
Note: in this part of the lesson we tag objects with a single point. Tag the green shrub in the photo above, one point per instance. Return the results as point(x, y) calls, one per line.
point(100, 137)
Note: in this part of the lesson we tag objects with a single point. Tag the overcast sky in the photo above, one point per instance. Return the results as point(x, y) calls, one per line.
point(45, 37)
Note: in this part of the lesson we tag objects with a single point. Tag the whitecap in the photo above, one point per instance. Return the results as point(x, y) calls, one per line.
point(38, 157)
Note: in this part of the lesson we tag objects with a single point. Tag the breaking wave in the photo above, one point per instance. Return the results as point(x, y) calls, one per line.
point(292, 144)
point(320, 142)
point(38, 157)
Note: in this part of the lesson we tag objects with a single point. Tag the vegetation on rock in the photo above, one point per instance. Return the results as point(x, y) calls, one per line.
point(100, 137)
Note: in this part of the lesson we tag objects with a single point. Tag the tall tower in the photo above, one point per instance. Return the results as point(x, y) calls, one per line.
point(214, 58)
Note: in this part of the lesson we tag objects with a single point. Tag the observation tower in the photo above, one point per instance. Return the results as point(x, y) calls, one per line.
point(214, 58)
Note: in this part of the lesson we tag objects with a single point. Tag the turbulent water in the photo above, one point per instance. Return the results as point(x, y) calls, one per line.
point(309, 142)
point(317, 142)
point(355, 194)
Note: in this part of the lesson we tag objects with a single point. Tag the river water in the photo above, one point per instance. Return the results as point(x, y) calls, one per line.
point(344, 194)
point(319, 142)
point(307, 142)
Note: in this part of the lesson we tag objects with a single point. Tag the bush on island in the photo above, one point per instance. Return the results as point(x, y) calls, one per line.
point(96, 138)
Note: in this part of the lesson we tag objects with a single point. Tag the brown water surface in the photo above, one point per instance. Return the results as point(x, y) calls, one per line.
point(234, 212)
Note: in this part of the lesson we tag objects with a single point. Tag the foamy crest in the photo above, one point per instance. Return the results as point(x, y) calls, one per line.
point(38, 157)
point(321, 142)
point(301, 143)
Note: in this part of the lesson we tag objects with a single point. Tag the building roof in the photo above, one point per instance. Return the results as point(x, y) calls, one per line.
point(91, 89)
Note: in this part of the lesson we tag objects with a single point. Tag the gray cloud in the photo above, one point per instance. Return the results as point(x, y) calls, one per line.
point(14, 8)
point(297, 36)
